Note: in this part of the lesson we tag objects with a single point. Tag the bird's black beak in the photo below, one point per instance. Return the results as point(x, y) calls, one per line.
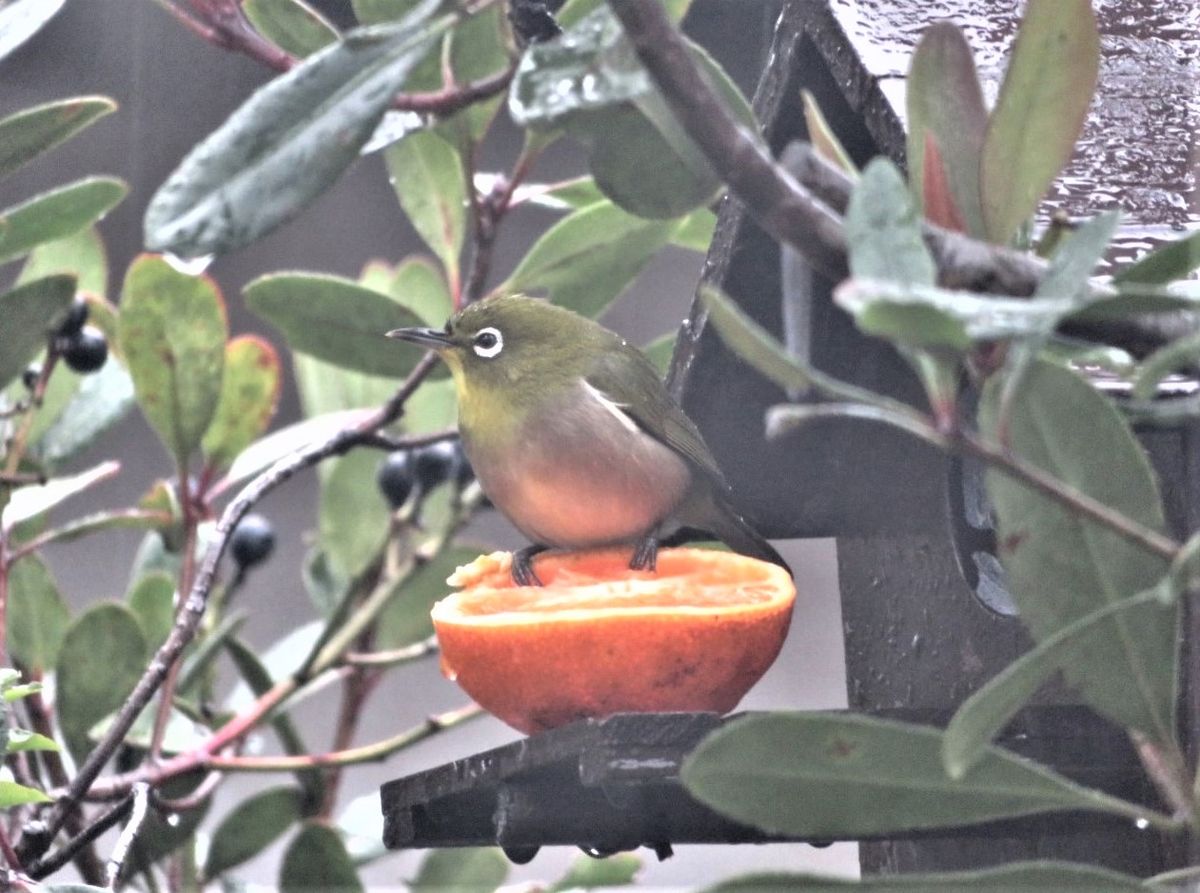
point(423, 336)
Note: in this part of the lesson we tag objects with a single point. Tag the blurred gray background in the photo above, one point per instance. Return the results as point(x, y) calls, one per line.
point(173, 89)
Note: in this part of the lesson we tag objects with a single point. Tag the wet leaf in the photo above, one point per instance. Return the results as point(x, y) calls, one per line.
point(291, 25)
point(353, 516)
point(24, 741)
point(240, 183)
point(249, 394)
point(587, 873)
point(589, 257)
point(1017, 877)
point(316, 860)
point(336, 320)
point(478, 49)
point(427, 175)
point(152, 601)
point(464, 870)
point(30, 313)
point(944, 100)
point(57, 213)
point(883, 229)
point(1175, 260)
point(821, 135)
point(34, 499)
point(1062, 567)
point(843, 776)
point(420, 286)
point(172, 331)
point(264, 453)
point(21, 19)
point(1040, 110)
point(983, 715)
point(101, 659)
point(252, 826)
point(80, 254)
point(1069, 272)
point(30, 132)
point(37, 615)
point(405, 620)
point(100, 401)
point(13, 794)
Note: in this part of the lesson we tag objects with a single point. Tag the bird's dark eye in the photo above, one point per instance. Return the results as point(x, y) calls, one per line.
point(488, 342)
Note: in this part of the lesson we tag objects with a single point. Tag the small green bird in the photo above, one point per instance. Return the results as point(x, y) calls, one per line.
point(573, 436)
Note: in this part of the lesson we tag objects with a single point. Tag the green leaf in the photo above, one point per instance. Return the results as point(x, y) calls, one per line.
point(983, 715)
point(1069, 272)
point(264, 453)
point(478, 49)
point(405, 620)
point(842, 776)
point(589, 257)
point(29, 313)
point(427, 174)
point(1175, 260)
point(21, 19)
point(883, 229)
point(23, 741)
point(1176, 355)
point(335, 320)
point(180, 734)
point(567, 195)
point(353, 516)
point(328, 389)
point(152, 601)
point(101, 400)
point(291, 25)
point(464, 870)
point(196, 663)
point(587, 873)
point(1062, 567)
point(34, 499)
point(434, 407)
point(249, 394)
point(253, 825)
point(80, 254)
point(944, 98)
point(101, 659)
point(172, 331)
point(30, 132)
point(821, 135)
point(37, 615)
point(695, 231)
point(316, 860)
point(1040, 110)
point(13, 794)
point(57, 213)
point(659, 351)
point(591, 82)
point(1017, 877)
point(419, 285)
point(241, 182)
point(375, 12)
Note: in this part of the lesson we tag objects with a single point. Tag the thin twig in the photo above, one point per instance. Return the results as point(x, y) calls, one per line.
point(82, 526)
point(141, 807)
point(383, 441)
point(1167, 770)
point(194, 800)
point(370, 753)
point(197, 600)
point(395, 657)
point(53, 862)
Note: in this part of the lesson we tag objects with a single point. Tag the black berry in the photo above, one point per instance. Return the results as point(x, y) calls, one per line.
point(77, 315)
point(395, 478)
point(30, 376)
point(252, 541)
point(86, 350)
point(436, 463)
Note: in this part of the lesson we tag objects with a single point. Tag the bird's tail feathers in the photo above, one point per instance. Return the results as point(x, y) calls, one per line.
point(723, 522)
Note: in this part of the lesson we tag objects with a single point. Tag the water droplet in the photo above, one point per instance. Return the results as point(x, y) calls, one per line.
point(394, 126)
point(1142, 824)
point(173, 820)
point(188, 266)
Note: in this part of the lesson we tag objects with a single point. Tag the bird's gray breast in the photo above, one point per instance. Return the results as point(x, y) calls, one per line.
point(581, 473)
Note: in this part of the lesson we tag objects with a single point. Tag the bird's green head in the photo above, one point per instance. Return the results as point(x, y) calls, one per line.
point(509, 346)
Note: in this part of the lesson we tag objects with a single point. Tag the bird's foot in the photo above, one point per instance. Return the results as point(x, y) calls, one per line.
point(522, 566)
point(645, 556)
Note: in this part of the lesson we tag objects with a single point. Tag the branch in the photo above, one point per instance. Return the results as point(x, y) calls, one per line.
point(141, 806)
point(47, 866)
point(191, 613)
point(370, 753)
point(393, 658)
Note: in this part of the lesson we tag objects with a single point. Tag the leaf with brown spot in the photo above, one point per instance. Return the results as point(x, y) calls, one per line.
point(249, 395)
point(940, 207)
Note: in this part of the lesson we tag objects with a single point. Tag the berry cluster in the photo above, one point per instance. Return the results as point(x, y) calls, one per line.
point(407, 472)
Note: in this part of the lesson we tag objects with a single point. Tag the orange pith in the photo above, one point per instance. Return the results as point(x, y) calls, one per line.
point(598, 638)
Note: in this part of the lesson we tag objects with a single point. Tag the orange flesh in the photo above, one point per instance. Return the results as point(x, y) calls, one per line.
point(599, 638)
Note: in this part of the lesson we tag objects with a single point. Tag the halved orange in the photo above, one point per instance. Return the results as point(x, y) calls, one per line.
point(599, 638)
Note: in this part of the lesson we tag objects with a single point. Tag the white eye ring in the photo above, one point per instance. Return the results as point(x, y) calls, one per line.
point(488, 342)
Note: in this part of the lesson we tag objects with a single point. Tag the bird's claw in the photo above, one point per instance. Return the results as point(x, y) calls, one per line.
point(645, 556)
point(522, 566)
